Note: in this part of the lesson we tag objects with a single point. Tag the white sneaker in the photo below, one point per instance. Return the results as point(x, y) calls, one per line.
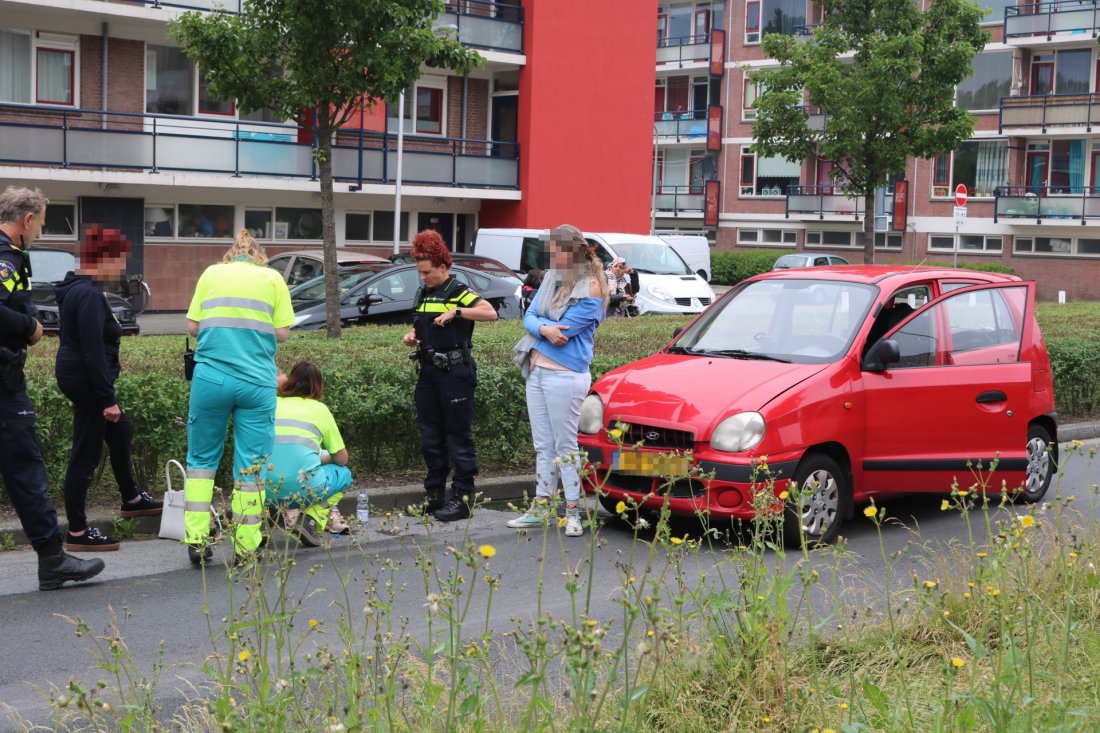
point(336, 523)
point(573, 525)
point(534, 517)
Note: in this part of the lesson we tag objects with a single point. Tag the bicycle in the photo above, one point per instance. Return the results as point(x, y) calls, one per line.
point(135, 291)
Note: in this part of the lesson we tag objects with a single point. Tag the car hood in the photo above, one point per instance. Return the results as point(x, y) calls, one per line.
point(694, 392)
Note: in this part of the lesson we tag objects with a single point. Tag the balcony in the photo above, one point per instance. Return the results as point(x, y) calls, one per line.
point(1075, 17)
point(481, 24)
point(683, 50)
point(690, 125)
point(91, 139)
point(821, 199)
point(1050, 110)
point(1065, 204)
point(678, 200)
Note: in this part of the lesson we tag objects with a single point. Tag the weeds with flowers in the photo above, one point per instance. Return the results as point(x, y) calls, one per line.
point(996, 632)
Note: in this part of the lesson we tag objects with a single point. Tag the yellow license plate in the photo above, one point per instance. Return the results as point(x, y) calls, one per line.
point(650, 464)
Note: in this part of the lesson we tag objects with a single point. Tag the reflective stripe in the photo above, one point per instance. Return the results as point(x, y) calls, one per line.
point(287, 422)
point(295, 440)
point(196, 506)
point(242, 323)
point(201, 473)
point(250, 303)
point(249, 488)
point(247, 518)
point(428, 307)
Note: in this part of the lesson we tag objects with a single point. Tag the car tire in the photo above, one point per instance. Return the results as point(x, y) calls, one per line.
point(824, 502)
point(1041, 465)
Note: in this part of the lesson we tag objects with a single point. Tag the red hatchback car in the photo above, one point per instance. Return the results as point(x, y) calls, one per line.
point(855, 382)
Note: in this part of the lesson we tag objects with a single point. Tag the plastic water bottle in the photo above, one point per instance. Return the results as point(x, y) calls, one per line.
point(362, 507)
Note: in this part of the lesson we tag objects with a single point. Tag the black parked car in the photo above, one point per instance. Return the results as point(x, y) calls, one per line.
point(384, 293)
point(48, 266)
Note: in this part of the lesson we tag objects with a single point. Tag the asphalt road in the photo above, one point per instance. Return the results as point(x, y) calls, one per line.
point(158, 597)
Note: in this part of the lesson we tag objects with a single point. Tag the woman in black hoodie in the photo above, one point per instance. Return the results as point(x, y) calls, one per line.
point(86, 368)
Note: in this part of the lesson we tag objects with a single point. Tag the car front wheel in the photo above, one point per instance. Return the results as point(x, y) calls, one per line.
point(814, 512)
point(1041, 464)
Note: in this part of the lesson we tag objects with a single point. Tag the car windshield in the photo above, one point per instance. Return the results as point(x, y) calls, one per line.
point(50, 265)
point(489, 267)
point(804, 321)
point(349, 277)
point(650, 257)
point(790, 261)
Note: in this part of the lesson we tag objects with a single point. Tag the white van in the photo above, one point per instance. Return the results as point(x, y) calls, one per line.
point(694, 248)
point(665, 282)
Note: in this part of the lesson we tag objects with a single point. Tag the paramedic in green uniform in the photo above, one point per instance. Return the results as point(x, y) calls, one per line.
point(308, 469)
point(240, 311)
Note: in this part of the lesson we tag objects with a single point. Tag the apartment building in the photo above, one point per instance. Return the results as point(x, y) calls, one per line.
point(104, 113)
point(1032, 167)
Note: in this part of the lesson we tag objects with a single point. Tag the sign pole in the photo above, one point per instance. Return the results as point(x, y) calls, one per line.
point(961, 195)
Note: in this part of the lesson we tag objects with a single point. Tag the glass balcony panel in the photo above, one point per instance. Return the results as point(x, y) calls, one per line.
point(1050, 18)
point(93, 147)
point(484, 32)
point(481, 171)
point(275, 159)
point(31, 145)
point(678, 199)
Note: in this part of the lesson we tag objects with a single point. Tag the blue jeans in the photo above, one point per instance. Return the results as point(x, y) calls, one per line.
point(554, 408)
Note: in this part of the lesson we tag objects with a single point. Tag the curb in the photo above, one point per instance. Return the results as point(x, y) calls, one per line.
point(382, 499)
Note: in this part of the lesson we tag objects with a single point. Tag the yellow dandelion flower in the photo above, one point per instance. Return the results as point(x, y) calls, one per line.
point(843, 706)
point(970, 584)
point(614, 433)
point(244, 655)
point(966, 594)
point(676, 540)
point(784, 495)
point(1077, 444)
point(929, 584)
point(562, 521)
point(486, 551)
point(765, 719)
point(870, 512)
point(827, 730)
point(963, 492)
point(945, 505)
point(982, 555)
point(649, 633)
point(995, 592)
point(1027, 520)
point(592, 622)
point(1073, 554)
point(620, 507)
point(957, 662)
point(313, 623)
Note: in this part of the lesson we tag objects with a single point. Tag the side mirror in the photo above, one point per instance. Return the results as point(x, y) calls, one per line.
point(881, 355)
point(677, 331)
point(367, 301)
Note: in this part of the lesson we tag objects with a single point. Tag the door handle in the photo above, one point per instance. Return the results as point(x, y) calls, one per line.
point(993, 395)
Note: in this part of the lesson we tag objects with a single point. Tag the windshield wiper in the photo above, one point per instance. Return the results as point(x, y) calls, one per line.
point(742, 354)
point(643, 271)
point(680, 350)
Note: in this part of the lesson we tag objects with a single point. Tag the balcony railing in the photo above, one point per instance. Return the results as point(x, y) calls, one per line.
point(1047, 202)
point(81, 138)
point(690, 123)
point(679, 199)
point(821, 199)
point(1046, 19)
point(493, 26)
point(1051, 110)
point(683, 49)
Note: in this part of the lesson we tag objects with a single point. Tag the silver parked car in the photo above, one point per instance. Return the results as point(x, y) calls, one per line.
point(807, 259)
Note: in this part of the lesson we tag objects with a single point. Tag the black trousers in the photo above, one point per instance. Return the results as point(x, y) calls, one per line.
point(90, 431)
point(445, 416)
point(24, 471)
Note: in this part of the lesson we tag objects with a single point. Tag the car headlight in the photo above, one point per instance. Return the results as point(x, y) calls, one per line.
point(591, 421)
point(738, 432)
point(661, 294)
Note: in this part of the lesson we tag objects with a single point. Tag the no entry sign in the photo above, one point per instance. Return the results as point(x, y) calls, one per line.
point(960, 195)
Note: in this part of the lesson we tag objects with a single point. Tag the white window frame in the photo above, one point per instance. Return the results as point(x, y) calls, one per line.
point(987, 240)
point(753, 38)
point(788, 237)
point(49, 42)
point(425, 82)
point(748, 112)
point(819, 234)
point(53, 206)
point(370, 227)
point(1073, 250)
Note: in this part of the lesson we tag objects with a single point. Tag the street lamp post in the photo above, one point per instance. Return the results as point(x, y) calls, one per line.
point(397, 186)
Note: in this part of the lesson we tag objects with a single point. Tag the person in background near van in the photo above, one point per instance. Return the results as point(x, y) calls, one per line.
point(22, 216)
point(555, 359)
point(443, 326)
point(307, 473)
point(240, 311)
point(86, 368)
point(619, 288)
point(530, 286)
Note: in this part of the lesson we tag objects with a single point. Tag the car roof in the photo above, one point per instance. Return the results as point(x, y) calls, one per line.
point(888, 274)
point(342, 255)
point(614, 238)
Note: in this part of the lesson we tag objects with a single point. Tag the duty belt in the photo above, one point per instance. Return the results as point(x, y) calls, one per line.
point(444, 359)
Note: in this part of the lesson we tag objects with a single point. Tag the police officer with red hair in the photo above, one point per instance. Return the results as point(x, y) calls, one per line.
point(443, 326)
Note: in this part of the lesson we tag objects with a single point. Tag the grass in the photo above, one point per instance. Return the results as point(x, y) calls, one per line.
point(996, 632)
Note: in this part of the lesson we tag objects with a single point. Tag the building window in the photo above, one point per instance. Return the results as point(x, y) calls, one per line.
point(981, 166)
point(357, 227)
point(258, 223)
point(887, 240)
point(783, 16)
point(204, 220)
point(752, 21)
point(160, 220)
point(60, 221)
point(295, 223)
point(969, 243)
point(996, 9)
point(751, 94)
point(767, 176)
point(829, 238)
point(55, 77)
point(210, 105)
point(1083, 246)
point(1057, 167)
point(990, 80)
point(941, 175)
point(424, 108)
point(383, 226)
point(169, 81)
point(778, 237)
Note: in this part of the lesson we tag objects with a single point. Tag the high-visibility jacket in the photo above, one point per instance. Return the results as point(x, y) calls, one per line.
point(238, 305)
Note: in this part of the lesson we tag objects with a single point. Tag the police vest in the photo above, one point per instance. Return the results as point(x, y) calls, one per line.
point(458, 333)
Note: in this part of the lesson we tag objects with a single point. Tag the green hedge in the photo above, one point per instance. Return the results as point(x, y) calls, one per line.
point(370, 384)
point(729, 267)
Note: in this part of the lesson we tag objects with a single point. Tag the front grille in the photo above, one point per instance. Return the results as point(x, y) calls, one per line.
point(686, 302)
point(655, 437)
point(681, 488)
point(630, 482)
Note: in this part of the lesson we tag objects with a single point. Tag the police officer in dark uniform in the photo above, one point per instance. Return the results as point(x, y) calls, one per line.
point(443, 326)
point(22, 215)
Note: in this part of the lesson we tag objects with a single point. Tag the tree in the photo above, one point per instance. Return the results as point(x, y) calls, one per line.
point(330, 56)
point(884, 73)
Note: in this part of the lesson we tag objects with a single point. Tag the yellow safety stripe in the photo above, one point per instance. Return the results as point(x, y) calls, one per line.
point(247, 303)
point(286, 422)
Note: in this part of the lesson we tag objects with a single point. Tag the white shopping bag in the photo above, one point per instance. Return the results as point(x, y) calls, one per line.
point(171, 518)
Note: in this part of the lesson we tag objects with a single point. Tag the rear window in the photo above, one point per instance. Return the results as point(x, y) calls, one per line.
point(50, 265)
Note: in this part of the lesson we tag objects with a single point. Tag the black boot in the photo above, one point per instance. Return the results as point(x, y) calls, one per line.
point(455, 509)
point(433, 502)
point(58, 566)
point(199, 554)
